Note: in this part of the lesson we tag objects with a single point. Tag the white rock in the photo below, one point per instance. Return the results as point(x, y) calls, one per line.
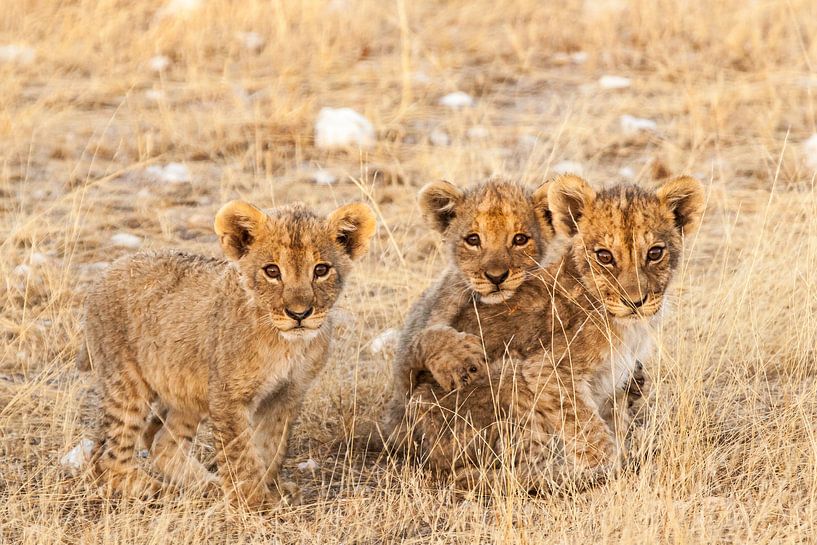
point(627, 172)
point(22, 270)
point(387, 339)
point(179, 8)
point(342, 127)
point(457, 100)
point(159, 63)
point(614, 82)
point(89, 271)
point(528, 141)
point(579, 57)
point(78, 456)
point(126, 240)
point(252, 41)
point(170, 173)
point(309, 465)
point(17, 53)
point(38, 258)
point(324, 177)
point(631, 124)
point(155, 95)
point(810, 151)
point(568, 167)
point(421, 77)
point(477, 132)
point(439, 137)
point(604, 8)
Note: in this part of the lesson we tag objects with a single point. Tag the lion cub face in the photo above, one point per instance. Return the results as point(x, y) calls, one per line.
point(495, 232)
point(294, 263)
point(627, 241)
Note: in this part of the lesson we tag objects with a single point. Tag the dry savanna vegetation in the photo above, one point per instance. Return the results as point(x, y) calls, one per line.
point(127, 124)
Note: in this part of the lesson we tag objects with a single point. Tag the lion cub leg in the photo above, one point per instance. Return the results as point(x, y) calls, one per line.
point(126, 406)
point(271, 435)
point(241, 470)
point(172, 451)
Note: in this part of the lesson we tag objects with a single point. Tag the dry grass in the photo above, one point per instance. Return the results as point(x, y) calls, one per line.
point(730, 84)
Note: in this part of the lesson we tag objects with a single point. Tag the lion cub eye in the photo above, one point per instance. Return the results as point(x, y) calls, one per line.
point(321, 269)
point(272, 271)
point(605, 257)
point(520, 239)
point(655, 253)
point(472, 239)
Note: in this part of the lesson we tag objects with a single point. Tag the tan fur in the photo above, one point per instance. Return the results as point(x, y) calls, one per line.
point(591, 323)
point(443, 341)
point(209, 338)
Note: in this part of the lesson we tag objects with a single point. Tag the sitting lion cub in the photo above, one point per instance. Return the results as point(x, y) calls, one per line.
point(590, 316)
point(495, 234)
point(237, 341)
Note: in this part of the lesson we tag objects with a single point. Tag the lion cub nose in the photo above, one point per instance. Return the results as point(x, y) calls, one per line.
point(498, 278)
point(298, 316)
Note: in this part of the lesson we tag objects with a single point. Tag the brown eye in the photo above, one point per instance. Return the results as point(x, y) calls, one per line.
point(472, 240)
point(520, 239)
point(655, 253)
point(272, 271)
point(605, 257)
point(321, 269)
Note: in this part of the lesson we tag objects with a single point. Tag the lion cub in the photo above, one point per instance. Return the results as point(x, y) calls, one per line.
point(237, 341)
point(591, 314)
point(495, 234)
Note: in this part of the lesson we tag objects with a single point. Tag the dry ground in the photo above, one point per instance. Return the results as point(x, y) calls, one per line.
point(730, 85)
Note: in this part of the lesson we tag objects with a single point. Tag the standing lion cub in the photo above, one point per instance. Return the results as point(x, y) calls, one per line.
point(237, 341)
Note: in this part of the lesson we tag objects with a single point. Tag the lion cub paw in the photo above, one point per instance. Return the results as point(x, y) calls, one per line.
point(289, 492)
point(457, 359)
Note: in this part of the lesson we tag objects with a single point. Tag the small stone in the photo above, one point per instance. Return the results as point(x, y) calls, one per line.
point(17, 54)
point(439, 137)
point(324, 177)
point(126, 240)
point(632, 125)
point(343, 127)
point(78, 456)
point(159, 63)
point(810, 151)
point(477, 133)
point(309, 465)
point(457, 99)
point(614, 82)
point(155, 95)
point(38, 258)
point(252, 41)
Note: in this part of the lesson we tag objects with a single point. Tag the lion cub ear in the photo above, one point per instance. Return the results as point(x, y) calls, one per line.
point(684, 196)
point(542, 210)
point(237, 225)
point(438, 202)
point(353, 226)
point(569, 198)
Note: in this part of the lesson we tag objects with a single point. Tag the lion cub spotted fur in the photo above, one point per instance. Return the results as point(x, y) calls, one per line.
point(235, 341)
point(495, 234)
point(587, 318)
